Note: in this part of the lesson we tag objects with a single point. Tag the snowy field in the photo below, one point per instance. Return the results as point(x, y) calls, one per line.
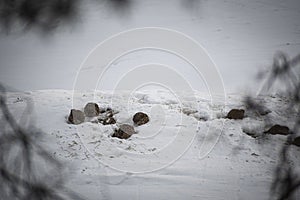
point(188, 150)
point(219, 162)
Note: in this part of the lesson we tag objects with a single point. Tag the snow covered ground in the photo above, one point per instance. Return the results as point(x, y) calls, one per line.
point(188, 150)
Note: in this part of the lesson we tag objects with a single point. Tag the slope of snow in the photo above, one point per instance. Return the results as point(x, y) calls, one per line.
point(171, 157)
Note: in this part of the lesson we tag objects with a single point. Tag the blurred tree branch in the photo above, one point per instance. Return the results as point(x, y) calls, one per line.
point(286, 179)
point(47, 15)
point(22, 175)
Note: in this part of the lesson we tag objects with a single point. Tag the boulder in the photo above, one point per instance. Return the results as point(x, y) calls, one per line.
point(124, 131)
point(278, 130)
point(236, 114)
point(76, 116)
point(91, 110)
point(140, 118)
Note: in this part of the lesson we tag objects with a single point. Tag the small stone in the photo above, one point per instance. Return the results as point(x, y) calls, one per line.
point(236, 114)
point(140, 118)
point(278, 130)
point(264, 111)
point(76, 117)
point(91, 110)
point(250, 133)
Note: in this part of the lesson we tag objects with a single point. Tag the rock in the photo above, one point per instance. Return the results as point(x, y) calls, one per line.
point(264, 111)
point(76, 116)
point(254, 154)
point(140, 118)
point(124, 131)
point(91, 110)
point(250, 133)
point(236, 114)
point(296, 141)
point(107, 121)
point(278, 130)
point(188, 111)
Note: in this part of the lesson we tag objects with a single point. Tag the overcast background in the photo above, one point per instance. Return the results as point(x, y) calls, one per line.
point(241, 37)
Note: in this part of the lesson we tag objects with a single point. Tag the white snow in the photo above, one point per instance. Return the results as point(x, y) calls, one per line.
point(159, 162)
point(188, 150)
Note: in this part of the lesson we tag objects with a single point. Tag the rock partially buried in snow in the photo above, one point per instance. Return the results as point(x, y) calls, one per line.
point(278, 130)
point(236, 114)
point(91, 110)
point(296, 141)
point(250, 133)
point(140, 118)
point(124, 131)
point(76, 116)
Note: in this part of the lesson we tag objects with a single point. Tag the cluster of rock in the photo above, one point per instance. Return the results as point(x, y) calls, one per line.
point(125, 131)
point(91, 110)
point(239, 114)
point(105, 116)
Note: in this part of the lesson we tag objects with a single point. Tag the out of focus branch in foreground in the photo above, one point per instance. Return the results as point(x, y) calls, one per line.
point(27, 169)
point(286, 179)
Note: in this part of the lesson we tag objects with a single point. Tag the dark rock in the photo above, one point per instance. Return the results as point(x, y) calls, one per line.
point(278, 130)
point(254, 154)
point(236, 114)
point(124, 131)
point(76, 116)
point(140, 118)
point(296, 141)
point(250, 133)
point(91, 110)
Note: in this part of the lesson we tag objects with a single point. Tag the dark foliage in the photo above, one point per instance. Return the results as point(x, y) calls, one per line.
point(47, 15)
point(286, 179)
point(43, 15)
